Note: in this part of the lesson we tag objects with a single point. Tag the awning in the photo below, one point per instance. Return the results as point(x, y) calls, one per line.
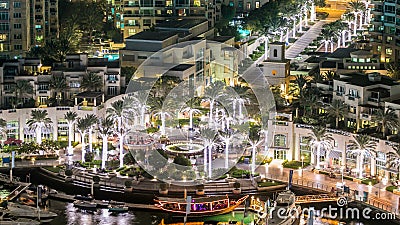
point(335, 154)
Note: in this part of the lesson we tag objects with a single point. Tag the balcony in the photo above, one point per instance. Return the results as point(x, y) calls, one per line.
point(365, 116)
point(338, 93)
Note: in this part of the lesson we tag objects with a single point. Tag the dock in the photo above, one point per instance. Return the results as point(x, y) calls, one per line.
point(131, 206)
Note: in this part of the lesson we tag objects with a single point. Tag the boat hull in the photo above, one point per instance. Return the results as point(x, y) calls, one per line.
point(182, 213)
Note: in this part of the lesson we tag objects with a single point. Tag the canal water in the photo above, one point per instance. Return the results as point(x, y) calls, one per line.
point(69, 215)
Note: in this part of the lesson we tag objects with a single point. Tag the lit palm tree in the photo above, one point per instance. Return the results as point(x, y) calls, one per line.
point(105, 130)
point(83, 126)
point(92, 82)
point(337, 109)
point(158, 109)
point(116, 112)
point(356, 7)
point(208, 135)
point(386, 120)
point(22, 89)
point(254, 141)
point(393, 160)
point(362, 146)
point(71, 118)
point(59, 85)
point(92, 121)
point(140, 104)
point(211, 94)
point(319, 138)
point(226, 138)
point(38, 121)
point(3, 129)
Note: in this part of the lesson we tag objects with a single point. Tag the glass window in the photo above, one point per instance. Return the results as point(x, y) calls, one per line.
point(17, 15)
point(3, 15)
point(257, 4)
point(4, 26)
point(280, 140)
point(389, 51)
point(17, 4)
point(16, 26)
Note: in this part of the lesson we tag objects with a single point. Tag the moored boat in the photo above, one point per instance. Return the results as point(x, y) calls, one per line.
point(18, 221)
point(84, 197)
point(86, 205)
point(118, 208)
point(212, 205)
point(285, 211)
point(24, 211)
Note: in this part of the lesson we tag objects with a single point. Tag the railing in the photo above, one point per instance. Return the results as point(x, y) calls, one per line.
point(371, 201)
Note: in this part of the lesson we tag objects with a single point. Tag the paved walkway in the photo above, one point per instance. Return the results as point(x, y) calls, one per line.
point(377, 193)
point(297, 47)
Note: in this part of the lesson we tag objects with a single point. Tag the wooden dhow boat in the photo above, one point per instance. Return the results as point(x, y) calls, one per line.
point(204, 206)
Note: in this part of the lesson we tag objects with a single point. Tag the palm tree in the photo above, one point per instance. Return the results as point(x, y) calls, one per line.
point(37, 121)
point(116, 112)
point(105, 130)
point(254, 141)
point(356, 7)
point(92, 82)
point(319, 138)
point(59, 85)
point(70, 117)
point(191, 111)
point(208, 135)
point(3, 129)
point(140, 103)
point(211, 94)
point(393, 70)
point(337, 109)
point(158, 109)
point(393, 160)
point(362, 146)
point(92, 121)
point(22, 88)
point(83, 126)
point(226, 138)
point(386, 120)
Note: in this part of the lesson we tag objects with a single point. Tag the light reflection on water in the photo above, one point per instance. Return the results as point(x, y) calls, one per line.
point(69, 215)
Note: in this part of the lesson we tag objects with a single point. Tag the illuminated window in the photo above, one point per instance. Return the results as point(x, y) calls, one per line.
point(257, 5)
point(169, 12)
point(196, 3)
point(389, 51)
point(280, 140)
point(248, 6)
point(168, 3)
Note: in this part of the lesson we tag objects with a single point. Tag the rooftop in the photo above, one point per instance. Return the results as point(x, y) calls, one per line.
point(181, 67)
point(341, 53)
point(181, 23)
point(89, 94)
point(152, 35)
point(362, 80)
point(328, 64)
point(221, 39)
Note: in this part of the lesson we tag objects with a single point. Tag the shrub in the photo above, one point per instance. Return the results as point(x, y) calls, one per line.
point(68, 173)
point(163, 186)
point(200, 187)
point(390, 188)
point(96, 179)
point(52, 169)
point(151, 130)
point(294, 164)
point(182, 160)
point(128, 183)
point(368, 181)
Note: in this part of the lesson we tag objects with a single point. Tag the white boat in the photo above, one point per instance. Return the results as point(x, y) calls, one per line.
point(18, 221)
point(285, 211)
point(24, 211)
point(86, 205)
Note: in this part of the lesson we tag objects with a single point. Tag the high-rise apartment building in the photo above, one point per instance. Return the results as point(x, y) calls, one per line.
point(385, 29)
point(24, 23)
point(134, 16)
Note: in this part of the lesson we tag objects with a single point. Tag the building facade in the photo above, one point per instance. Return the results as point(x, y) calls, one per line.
point(135, 16)
point(385, 30)
point(26, 23)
